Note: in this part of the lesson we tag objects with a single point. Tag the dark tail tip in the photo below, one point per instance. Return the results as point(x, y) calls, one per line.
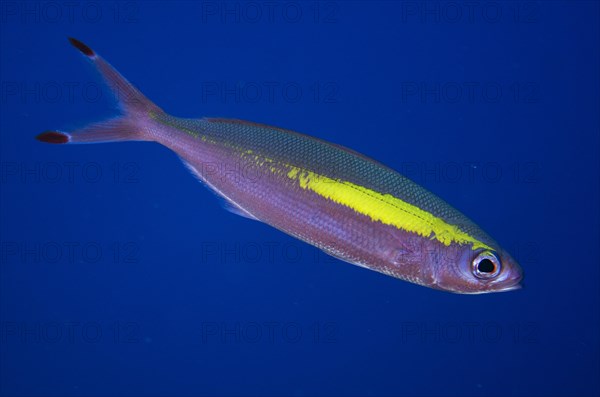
point(54, 137)
point(82, 47)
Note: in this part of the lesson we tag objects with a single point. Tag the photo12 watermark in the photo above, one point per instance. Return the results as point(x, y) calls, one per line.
point(470, 92)
point(69, 172)
point(469, 12)
point(472, 172)
point(69, 332)
point(269, 332)
point(65, 92)
point(260, 252)
point(271, 92)
point(469, 332)
point(70, 12)
point(68, 252)
point(269, 12)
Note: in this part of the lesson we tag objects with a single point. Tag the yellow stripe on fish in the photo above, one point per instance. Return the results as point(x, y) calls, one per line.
point(383, 208)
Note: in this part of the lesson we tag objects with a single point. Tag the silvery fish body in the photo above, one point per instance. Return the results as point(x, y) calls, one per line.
point(348, 205)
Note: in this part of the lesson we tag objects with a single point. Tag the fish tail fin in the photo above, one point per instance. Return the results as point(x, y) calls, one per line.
point(131, 126)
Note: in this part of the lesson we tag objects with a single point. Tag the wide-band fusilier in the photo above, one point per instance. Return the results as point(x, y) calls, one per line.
point(348, 205)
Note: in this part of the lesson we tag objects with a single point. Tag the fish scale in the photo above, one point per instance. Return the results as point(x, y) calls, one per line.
point(331, 160)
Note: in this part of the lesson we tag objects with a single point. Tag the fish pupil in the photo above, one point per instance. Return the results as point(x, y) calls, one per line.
point(486, 266)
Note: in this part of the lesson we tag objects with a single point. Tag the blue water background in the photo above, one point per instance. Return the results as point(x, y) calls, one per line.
point(121, 274)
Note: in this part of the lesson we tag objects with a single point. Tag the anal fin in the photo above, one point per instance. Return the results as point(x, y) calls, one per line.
point(227, 203)
point(235, 209)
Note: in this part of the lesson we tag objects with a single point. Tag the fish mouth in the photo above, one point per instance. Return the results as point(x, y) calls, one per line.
point(510, 284)
point(488, 291)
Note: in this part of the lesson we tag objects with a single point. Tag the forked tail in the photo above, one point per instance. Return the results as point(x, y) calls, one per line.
point(130, 126)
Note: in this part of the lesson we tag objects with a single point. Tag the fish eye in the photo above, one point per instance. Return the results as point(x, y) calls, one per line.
point(486, 265)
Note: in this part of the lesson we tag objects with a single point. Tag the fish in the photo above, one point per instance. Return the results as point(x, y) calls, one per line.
point(348, 205)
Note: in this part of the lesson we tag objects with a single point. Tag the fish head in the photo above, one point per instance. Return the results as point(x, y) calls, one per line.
point(477, 271)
